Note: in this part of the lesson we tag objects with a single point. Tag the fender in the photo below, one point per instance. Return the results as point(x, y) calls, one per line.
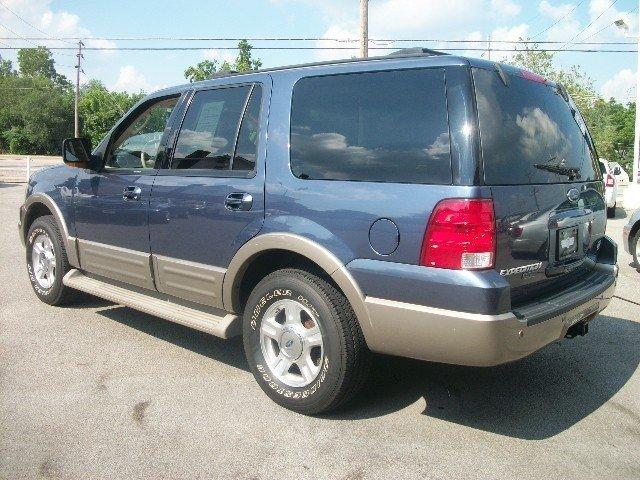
point(70, 242)
point(307, 248)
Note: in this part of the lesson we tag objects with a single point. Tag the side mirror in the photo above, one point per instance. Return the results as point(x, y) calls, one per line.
point(76, 152)
point(617, 171)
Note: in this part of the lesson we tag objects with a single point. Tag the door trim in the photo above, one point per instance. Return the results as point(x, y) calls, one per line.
point(129, 266)
point(188, 280)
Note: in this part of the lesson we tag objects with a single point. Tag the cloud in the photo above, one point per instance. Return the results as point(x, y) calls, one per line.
point(622, 86)
point(505, 8)
point(54, 24)
point(555, 11)
point(220, 55)
point(130, 80)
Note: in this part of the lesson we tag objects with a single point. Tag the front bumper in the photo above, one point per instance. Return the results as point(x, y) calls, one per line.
point(21, 232)
point(626, 232)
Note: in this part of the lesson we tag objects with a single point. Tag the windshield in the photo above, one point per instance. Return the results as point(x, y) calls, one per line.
point(530, 133)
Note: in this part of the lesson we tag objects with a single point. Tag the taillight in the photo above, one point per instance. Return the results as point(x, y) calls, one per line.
point(461, 235)
point(609, 180)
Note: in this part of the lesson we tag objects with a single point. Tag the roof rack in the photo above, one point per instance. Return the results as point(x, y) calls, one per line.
point(407, 52)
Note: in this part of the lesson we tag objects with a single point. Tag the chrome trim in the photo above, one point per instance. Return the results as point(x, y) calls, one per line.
point(129, 266)
point(191, 281)
point(69, 241)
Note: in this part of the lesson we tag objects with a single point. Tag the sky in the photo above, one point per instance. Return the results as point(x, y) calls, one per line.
point(614, 74)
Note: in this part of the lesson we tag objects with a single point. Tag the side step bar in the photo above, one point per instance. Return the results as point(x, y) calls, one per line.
point(223, 324)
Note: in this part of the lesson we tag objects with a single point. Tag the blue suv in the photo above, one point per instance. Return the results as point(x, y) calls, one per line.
point(421, 205)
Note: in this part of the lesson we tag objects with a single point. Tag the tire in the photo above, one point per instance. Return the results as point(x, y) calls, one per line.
point(635, 249)
point(611, 211)
point(323, 377)
point(44, 236)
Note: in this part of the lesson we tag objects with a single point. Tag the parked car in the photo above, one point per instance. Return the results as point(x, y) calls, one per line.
point(422, 205)
point(622, 177)
point(631, 237)
point(610, 187)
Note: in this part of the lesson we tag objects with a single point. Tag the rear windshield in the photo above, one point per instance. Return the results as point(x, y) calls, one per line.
point(530, 133)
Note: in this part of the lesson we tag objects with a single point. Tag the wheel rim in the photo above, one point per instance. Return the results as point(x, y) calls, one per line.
point(291, 343)
point(43, 261)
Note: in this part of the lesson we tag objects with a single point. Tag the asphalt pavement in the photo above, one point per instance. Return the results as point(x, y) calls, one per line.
point(101, 391)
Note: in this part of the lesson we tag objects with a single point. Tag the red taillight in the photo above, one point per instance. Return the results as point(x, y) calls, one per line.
point(461, 235)
point(609, 180)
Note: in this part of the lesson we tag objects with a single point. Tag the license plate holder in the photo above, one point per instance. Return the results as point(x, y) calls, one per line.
point(567, 242)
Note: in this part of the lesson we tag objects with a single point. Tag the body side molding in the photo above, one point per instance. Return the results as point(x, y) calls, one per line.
point(70, 242)
point(307, 248)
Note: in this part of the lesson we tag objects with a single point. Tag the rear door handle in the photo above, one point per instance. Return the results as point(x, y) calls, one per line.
point(131, 193)
point(239, 201)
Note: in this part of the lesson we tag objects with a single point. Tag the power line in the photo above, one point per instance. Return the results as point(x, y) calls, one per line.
point(307, 39)
point(26, 39)
point(559, 20)
point(570, 42)
point(31, 25)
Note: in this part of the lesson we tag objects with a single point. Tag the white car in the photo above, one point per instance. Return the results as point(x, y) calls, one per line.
point(610, 186)
point(622, 177)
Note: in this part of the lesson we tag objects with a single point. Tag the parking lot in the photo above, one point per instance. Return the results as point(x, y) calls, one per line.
point(101, 391)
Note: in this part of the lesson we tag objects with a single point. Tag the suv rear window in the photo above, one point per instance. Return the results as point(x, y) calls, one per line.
point(377, 127)
point(529, 133)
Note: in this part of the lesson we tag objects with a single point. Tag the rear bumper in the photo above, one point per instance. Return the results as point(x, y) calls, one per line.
point(458, 337)
point(447, 336)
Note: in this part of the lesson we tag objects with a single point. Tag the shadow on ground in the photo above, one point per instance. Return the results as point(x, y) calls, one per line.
point(535, 398)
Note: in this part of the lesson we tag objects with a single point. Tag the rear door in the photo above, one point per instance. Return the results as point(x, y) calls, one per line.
point(546, 186)
point(210, 199)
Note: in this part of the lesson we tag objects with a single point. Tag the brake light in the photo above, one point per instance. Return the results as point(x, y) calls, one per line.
point(609, 180)
point(461, 235)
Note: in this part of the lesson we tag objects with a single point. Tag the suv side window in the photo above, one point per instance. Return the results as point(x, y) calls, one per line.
point(137, 146)
point(379, 127)
point(211, 127)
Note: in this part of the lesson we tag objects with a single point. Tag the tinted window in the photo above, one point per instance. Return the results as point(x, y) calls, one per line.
point(137, 146)
point(529, 133)
point(245, 157)
point(208, 133)
point(379, 127)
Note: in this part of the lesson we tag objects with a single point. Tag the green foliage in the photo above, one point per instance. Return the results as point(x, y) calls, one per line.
point(36, 62)
point(100, 109)
point(6, 68)
point(35, 115)
point(207, 68)
point(611, 124)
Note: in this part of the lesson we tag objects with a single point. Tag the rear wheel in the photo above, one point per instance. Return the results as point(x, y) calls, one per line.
point(303, 342)
point(47, 261)
point(635, 248)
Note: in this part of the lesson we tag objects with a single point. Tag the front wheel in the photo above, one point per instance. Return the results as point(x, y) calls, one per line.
point(303, 342)
point(47, 261)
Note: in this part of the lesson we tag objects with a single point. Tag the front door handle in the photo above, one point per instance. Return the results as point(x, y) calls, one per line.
point(239, 201)
point(131, 193)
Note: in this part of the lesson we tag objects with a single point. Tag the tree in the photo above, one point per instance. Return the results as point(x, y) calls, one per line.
point(611, 124)
point(36, 62)
point(208, 68)
point(6, 67)
point(205, 69)
point(100, 109)
point(244, 61)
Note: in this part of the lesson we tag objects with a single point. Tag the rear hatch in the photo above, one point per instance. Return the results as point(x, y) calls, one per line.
point(540, 164)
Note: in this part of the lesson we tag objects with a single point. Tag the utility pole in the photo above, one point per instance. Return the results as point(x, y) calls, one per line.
point(78, 70)
point(364, 28)
point(489, 47)
point(636, 141)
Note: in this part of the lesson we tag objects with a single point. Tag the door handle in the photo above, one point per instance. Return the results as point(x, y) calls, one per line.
point(239, 201)
point(131, 193)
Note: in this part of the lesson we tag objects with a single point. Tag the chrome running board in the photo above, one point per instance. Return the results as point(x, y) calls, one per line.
point(213, 321)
